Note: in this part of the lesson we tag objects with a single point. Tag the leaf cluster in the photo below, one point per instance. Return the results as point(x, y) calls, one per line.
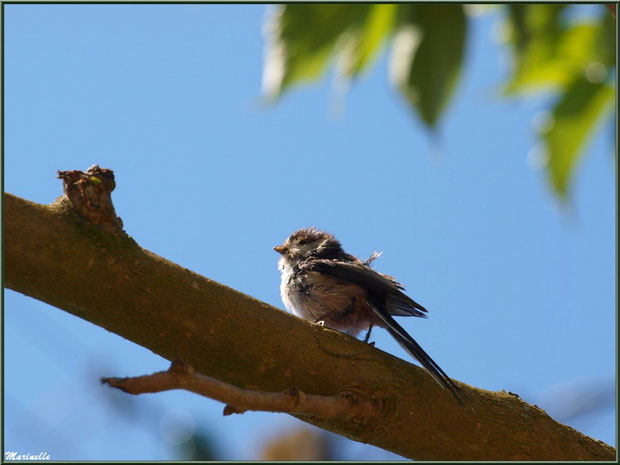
point(575, 59)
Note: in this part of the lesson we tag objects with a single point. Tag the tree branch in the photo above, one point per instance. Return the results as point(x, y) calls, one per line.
point(181, 375)
point(55, 255)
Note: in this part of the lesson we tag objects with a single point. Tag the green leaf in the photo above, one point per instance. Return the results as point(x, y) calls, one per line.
point(575, 117)
point(527, 22)
point(545, 19)
point(607, 40)
point(428, 56)
point(550, 52)
point(550, 61)
point(301, 39)
point(529, 27)
point(366, 40)
point(517, 18)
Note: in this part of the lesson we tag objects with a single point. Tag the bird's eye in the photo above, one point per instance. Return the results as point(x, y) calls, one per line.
point(303, 241)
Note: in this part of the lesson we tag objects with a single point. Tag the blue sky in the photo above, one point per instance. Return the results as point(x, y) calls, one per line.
point(521, 292)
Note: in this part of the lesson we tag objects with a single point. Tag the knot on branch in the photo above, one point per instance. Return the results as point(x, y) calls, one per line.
point(231, 409)
point(90, 194)
point(179, 367)
point(297, 396)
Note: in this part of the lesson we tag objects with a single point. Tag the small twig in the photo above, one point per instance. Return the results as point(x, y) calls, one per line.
point(181, 375)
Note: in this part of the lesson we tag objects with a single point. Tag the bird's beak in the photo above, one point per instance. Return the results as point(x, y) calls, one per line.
point(280, 249)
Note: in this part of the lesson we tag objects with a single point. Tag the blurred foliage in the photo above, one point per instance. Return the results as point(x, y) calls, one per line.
point(575, 59)
point(297, 445)
point(428, 56)
point(303, 37)
point(574, 118)
point(201, 446)
point(580, 398)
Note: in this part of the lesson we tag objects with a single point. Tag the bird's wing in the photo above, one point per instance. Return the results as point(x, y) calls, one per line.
point(416, 351)
point(397, 302)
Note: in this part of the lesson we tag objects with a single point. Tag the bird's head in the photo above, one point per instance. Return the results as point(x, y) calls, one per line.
point(309, 242)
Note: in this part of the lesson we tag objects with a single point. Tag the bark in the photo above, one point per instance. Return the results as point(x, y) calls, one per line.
point(100, 274)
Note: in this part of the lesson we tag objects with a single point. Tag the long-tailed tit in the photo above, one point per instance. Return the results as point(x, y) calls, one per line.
point(324, 284)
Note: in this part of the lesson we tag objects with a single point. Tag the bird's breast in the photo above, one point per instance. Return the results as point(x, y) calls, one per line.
point(291, 292)
point(313, 296)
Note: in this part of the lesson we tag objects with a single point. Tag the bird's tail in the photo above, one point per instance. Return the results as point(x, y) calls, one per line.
point(416, 351)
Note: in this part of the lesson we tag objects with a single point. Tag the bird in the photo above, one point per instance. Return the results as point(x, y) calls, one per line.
point(324, 284)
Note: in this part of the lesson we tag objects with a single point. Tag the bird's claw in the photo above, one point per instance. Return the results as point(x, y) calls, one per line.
point(320, 323)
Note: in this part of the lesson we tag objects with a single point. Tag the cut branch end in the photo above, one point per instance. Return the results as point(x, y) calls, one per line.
point(90, 194)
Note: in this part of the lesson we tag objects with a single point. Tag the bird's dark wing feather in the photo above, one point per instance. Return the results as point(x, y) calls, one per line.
point(415, 350)
point(396, 301)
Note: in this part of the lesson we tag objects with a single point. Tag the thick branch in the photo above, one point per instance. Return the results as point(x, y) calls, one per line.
point(54, 255)
point(181, 375)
